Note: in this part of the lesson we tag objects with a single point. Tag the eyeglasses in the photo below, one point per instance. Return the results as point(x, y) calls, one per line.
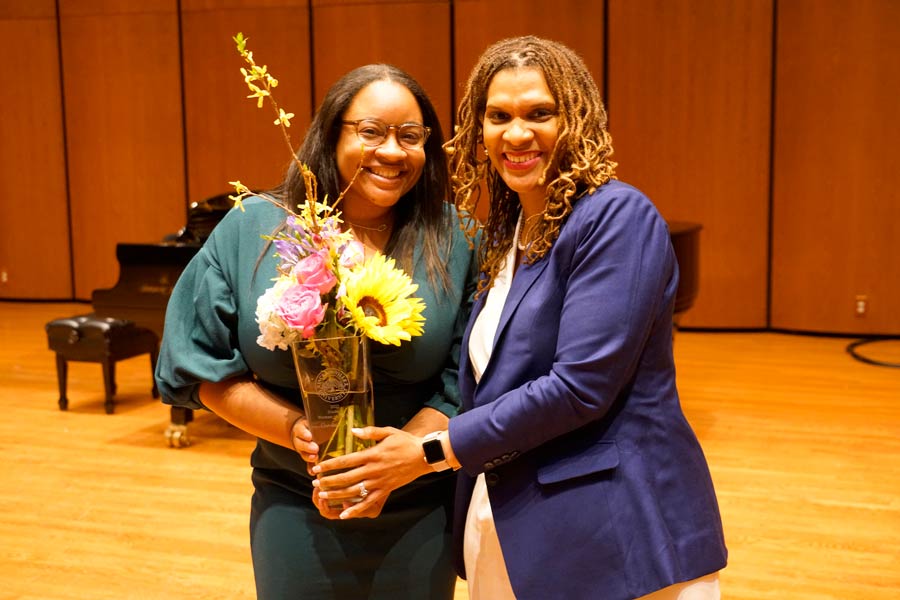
point(373, 132)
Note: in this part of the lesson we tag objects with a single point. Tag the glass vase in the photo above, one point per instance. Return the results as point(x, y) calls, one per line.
point(336, 385)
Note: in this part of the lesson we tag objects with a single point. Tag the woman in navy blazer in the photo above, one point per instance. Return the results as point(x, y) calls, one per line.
point(580, 477)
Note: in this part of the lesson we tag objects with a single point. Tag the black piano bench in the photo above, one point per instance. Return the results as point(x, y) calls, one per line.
point(89, 338)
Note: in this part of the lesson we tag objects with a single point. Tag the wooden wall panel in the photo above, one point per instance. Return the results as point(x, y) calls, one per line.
point(576, 23)
point(228, 138)
point(95, 8)
point(413, 35)
point(27, 9)
point(35, 261)
point(125, 149)
point(836, 229)
point(689, 102)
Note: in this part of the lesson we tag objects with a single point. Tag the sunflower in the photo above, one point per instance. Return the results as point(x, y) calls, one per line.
point(378, 298)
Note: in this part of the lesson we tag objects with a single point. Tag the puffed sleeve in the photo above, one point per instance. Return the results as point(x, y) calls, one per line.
point(197, 344)
point(210, 319)
point(199, 339)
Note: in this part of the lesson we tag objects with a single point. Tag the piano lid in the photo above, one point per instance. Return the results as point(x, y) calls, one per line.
point(147, 276)
point(148, 272)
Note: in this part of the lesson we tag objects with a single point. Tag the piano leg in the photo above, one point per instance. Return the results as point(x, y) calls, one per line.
point(176, 432)
point(109, 384)
point(62, 371)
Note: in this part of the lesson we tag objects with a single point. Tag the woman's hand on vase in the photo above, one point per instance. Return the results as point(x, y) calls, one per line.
point(373, 473)
point(303, 444)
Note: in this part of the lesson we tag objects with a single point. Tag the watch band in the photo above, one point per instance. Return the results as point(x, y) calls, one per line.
point(434, 451)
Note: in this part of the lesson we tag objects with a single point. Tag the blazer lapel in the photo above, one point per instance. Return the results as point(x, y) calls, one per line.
point(524, 278)
point(466, 378)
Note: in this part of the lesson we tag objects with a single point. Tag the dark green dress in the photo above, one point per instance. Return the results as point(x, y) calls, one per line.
point(210, 335)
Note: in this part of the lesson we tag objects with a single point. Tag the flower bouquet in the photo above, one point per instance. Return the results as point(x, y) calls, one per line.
point(328, 300)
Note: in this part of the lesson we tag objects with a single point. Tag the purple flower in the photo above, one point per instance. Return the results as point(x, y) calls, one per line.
point(287, 251)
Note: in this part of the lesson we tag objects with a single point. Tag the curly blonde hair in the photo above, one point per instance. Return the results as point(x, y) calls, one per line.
point(580, 162)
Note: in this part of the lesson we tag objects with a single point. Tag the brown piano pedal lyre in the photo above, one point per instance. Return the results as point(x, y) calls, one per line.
point(147, 275)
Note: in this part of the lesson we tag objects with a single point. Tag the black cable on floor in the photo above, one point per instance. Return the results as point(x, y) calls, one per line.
point(852, 346)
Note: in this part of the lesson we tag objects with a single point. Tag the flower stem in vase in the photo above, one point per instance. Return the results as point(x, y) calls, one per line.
point(343, 442)
point(348, 433)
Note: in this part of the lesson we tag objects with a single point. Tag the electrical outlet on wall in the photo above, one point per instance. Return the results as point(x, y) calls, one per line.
point(4, 276)
point(862, 305)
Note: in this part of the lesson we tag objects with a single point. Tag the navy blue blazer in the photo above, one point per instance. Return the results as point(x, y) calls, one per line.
point(598, 485)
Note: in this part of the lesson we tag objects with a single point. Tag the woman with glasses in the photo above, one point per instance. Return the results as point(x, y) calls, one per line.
point(580, 477)
point(377, 132)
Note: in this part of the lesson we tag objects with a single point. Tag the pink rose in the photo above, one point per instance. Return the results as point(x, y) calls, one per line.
point(313, 272)
point(301, 309)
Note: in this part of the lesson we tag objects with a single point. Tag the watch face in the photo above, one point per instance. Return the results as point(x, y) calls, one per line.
point(434, 452)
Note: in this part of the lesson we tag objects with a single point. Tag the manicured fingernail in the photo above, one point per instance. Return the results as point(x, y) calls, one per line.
point(345, 514)
point(356, 430)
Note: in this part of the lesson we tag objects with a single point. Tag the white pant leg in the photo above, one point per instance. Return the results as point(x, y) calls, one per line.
point(486, 573)
point(702, 588)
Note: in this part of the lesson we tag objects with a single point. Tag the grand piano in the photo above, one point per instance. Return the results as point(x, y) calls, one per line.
point(147, 275)
point(148, 272)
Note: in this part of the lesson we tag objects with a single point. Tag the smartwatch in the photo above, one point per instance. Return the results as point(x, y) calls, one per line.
point(434, 451)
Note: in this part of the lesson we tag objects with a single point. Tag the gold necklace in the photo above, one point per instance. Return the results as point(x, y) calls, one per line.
point(382, 227)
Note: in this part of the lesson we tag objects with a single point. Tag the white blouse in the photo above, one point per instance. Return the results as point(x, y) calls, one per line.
point(486, 573)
